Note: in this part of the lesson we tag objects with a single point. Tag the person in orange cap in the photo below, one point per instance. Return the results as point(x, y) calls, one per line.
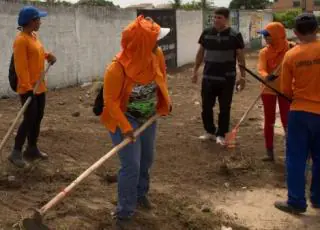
point(135, 88)
point(270, 58)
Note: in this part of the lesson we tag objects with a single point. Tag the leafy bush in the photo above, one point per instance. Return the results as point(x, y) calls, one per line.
point(287, 18)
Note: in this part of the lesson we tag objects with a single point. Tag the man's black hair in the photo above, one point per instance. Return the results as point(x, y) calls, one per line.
point(306, 24)
point(222, 11)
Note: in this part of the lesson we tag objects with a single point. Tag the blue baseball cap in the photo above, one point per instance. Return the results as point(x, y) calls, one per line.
point(264, 33)
point(29, 13)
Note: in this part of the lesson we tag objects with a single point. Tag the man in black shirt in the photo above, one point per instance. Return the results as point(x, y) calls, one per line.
point(220, 48)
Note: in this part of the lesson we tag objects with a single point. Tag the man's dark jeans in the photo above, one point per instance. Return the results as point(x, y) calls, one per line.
point(211, 90)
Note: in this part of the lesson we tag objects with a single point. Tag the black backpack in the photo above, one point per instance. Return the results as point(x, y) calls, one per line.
point(13, 79)
point(98, 103)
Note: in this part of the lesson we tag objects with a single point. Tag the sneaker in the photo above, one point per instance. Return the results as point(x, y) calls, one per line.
point(16, 159)
point(144, 203)
point(208, 136)
point(33, 153)
point(221, 141)
point(285, 207)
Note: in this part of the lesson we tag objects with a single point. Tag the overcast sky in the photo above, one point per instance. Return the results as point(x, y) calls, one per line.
point(125, 3)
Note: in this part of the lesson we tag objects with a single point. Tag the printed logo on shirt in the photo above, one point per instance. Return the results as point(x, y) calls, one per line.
point(307, 63)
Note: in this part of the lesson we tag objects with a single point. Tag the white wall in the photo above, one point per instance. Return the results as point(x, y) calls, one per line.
point(267, 18)
point(290, 34)
point(84, 39)
point(244, 23)
point(257, 19)
point(189, 29)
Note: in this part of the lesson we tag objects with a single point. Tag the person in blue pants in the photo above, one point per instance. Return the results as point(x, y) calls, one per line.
point(135, 89)
point(300, 80)
point(136, 160)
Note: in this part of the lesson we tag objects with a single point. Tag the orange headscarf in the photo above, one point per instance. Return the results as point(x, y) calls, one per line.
point(139, 39)
point(279, 40)
point(272, 55)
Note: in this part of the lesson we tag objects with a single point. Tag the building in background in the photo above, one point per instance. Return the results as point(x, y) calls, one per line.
point(308, 5)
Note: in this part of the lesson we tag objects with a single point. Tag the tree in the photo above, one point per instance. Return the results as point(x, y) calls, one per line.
point(206, 4)
point(287, 18)
point(192, 5)
point(176, 4)
point(249, 4)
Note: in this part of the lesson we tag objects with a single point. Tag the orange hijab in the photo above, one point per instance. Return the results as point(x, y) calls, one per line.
point(280, 44)
point(139, 39)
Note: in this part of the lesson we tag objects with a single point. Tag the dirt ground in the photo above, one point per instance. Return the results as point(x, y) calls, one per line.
point(195, 185)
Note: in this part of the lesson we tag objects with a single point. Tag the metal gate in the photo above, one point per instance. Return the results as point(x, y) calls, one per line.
point(165, 18)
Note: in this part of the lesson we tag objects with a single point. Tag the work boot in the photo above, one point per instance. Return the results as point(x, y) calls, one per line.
point(270, 156)
point(121, 223)
point(315, 206)
point(285, 207)
point(111, 178)
point(33, 153)
point(144, 203)
point(16, 159)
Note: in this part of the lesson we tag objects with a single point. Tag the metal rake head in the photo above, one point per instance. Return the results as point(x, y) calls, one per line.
point(34, 223)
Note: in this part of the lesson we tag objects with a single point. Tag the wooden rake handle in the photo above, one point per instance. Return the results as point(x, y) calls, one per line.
point(265, 83)
point(244, 116)
point(95, 166)
point(23, 109)
point(276, 71)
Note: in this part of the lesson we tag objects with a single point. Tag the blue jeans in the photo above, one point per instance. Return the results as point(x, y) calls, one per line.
point(303, 138)
point(136, 160)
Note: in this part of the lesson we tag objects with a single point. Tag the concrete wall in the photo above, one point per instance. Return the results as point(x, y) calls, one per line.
point(290, 34)
point(84, 39)
point(250, 23)
point(267, 18)
point(189, 29)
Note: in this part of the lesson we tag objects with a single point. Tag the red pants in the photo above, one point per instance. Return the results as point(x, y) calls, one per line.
point(269, 105)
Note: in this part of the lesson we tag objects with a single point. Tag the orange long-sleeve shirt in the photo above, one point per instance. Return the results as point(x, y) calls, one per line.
point(117, 90)
point(266, 67)
point(29, 62)
point(300, 77)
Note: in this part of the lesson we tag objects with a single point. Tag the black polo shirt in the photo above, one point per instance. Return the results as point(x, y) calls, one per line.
point(220, 53)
